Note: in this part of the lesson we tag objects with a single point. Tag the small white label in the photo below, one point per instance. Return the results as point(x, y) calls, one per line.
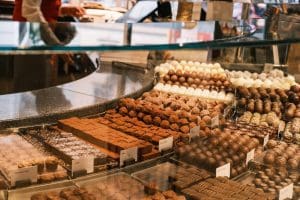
point(215, 121)
point(250, 156)
point(23, 174)
point(84, 163)
point(223, 170)
point(266, 139)
point(165, 144)
point(286, 192)
point(281, 126)
point(127, 154)
point(194, 132)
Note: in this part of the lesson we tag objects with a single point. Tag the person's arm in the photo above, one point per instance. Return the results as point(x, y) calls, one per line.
point(31, 10)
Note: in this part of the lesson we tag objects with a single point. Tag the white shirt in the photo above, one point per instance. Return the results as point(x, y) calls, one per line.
point(31, 10)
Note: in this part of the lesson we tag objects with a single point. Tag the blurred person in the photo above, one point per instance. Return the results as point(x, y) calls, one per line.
point(44, 10)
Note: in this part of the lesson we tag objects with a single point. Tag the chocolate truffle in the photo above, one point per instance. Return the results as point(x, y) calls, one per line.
point(165, 124)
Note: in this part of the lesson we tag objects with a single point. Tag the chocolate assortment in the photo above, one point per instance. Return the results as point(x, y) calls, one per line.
point(271, 180)
point(190, 77)
point(67, 146)
point(285, 103)
point(261, 120)
point(273, 79)
point(223, 188)
point(189, 95)
point(65, 194)
point(17, 153)
point(167, 176)
point(187, 176)
point(104, 137)
point(199, 93)
point(119, 186)
point(137, 128)
point(169, 117)
point(282, 154)
point(292, 131)
point(259, 131)
point(218, 150)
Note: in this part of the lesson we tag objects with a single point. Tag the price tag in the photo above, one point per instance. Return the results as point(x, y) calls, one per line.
point(165, 144)
point(281, 127)
point(128, 154)
point(223, 170)
point(24, 174)
point(250, 156)
point(194, 132)
point(286, 192)
point(215, 121)
point(268, 67)
point(266, 140)
point(84, 163)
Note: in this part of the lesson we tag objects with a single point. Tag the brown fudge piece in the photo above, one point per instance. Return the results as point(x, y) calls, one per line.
point(104, 136)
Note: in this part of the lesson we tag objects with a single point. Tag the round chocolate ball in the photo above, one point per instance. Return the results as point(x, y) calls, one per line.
point(280, 161)
point(181, 79)
point(174, 78)
point(269, 158)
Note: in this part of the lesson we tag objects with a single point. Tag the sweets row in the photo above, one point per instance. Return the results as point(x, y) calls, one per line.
point(165, 119)
point(176, 181)
point(267, 98)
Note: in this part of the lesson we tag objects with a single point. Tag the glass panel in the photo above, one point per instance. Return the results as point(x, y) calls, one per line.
point(35, 37)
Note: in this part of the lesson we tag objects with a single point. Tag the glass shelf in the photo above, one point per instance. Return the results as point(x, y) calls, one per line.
point(34, 37)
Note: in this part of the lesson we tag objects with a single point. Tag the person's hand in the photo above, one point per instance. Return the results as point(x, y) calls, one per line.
point(74, 11)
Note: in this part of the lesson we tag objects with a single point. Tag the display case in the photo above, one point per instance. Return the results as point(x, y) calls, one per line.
point(166, 110)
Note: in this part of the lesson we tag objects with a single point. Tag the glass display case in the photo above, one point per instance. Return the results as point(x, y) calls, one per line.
point(166, 110)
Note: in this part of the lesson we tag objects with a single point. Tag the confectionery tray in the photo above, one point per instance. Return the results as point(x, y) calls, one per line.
point(171, 175)
point(26, 193)
point(119, 185)
point(158, 175)
point(258, 172)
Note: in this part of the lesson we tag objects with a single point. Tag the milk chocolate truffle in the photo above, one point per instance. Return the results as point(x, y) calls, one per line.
point(166, 78)
point(51, 163)
point(157, 121)
point(165, 124)
point(183, 121)
point(179, 73)
point(197, 81)
point(174, 127)
point(174, 78)
point(212, 161)
point(132, 113)
point(280, 161)
point(173, 119)
point(271, 144)
point(171, 72)
point(147, 119)
point(182, 79)
point(269, 158)
point(190, 81)
point(185, 129)
point(293, 163)
point(123, 110)
point(206, 119)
